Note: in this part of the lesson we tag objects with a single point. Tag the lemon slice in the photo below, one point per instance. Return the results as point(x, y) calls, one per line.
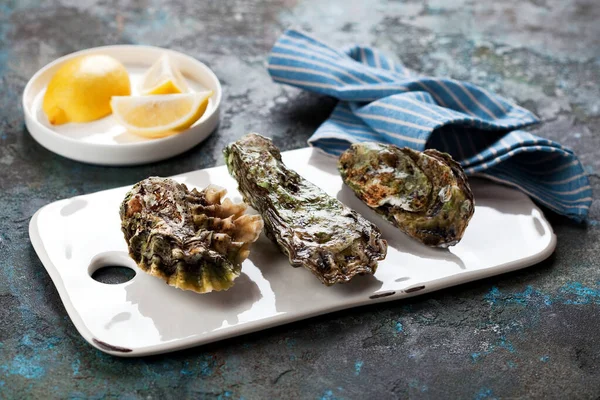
point(159, 115)
point(163, 78)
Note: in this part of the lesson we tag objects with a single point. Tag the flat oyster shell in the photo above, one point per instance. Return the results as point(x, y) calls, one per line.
point(312, 228)
point(194, 240)
point(425, 194)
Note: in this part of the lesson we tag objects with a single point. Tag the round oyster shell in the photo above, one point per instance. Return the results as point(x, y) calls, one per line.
point(194, 240)
point(425, 194)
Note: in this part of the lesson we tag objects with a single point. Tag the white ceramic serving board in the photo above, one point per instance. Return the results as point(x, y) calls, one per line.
point(105, 141)
point(76, 236)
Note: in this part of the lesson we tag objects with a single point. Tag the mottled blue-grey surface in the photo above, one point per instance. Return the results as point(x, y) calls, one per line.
point(532, 333)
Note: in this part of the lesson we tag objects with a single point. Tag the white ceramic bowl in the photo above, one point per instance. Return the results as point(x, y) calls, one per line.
point(104, 141)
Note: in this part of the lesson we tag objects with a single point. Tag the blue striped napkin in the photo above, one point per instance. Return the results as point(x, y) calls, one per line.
point(381, 100)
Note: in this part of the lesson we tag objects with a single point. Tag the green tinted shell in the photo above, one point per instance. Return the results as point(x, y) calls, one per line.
point(194, 240)
point(425, 194)
point(312, 228)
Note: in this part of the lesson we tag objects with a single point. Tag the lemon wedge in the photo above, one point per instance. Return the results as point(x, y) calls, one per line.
point(81, 89)
point(158, 116)
point(163, 78)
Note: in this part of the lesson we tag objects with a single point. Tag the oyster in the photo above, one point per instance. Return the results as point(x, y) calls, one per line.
point(312, 228)
point(425, 194)
point(193, 240)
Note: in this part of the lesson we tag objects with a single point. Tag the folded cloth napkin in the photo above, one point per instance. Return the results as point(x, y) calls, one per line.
point(383, 101)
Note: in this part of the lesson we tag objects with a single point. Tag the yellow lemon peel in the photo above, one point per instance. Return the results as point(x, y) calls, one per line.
point(81, 89)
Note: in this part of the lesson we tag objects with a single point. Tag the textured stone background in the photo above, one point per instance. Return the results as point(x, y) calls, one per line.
point(530, 333)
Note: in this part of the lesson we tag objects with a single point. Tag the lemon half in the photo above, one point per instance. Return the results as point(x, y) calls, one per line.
point(157, 116)
point(163, 78)
point(81, 89)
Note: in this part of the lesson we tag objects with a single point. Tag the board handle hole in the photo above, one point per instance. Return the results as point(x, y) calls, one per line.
point(112, 268)
point(113, 274)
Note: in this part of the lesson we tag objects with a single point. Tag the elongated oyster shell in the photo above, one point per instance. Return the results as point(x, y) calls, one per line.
point(312, 228)
point(425, 194)
point(193, 240)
